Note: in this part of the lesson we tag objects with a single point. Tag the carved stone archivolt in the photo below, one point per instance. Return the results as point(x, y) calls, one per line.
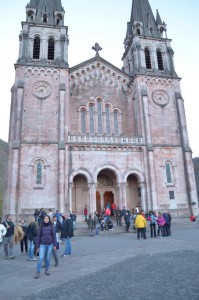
point(160, 97)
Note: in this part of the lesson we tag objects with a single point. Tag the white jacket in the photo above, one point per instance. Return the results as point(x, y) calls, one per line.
point(3, 231)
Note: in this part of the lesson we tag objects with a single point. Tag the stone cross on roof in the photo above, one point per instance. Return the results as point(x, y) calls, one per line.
point(97, 48)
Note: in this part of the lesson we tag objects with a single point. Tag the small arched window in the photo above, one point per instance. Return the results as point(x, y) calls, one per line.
point(36, 48)
point(59, 19)
point(51, 49)
point(45, 18)
point(168, 173)
point(83, 121)
point(39, 172)
point(91, 118)
point(138, 31)
point(147, 58)
point(99, 114)
point(160, 60)
point(116, 128)
point(108, 123)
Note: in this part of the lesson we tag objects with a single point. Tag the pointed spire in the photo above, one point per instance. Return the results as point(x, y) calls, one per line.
point(143, 16)
point(45, 11)
point(158, 19)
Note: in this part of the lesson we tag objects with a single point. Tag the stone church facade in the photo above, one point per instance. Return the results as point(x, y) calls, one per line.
point(94, 133)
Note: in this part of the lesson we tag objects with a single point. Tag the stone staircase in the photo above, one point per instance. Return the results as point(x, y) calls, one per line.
point(176, 224)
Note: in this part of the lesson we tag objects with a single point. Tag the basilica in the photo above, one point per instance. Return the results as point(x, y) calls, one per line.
point(94, 134)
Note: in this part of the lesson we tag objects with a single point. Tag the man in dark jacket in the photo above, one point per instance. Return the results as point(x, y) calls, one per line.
point(8, 239)
point(67, 234)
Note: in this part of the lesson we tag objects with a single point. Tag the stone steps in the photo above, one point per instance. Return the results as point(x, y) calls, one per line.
point(177, 224)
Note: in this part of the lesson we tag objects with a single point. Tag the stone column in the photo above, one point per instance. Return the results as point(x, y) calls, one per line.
point(122, 194)
point(61, 187)
point(187, 156)
point(92, 198)
point(142, 186)
point(151, 167)
point(70, 208)
point(138, 47)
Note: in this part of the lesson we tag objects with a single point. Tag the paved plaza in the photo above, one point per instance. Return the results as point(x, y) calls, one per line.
point(111, 266)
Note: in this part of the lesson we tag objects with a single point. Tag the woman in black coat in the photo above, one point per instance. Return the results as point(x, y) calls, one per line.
point(45, 241)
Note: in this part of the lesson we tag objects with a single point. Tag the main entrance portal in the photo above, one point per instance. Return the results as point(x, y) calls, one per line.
point(106, 189)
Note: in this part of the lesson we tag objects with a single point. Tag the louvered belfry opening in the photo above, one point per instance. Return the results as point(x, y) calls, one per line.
point(147, 58)
point(160, 60)
point(51, 49)
point(36, 48)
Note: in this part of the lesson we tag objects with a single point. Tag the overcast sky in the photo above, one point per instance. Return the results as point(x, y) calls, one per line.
point(104, 21)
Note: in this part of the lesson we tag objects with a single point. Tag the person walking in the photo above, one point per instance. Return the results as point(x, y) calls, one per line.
point(24, 240)
point(32, 233)
point(113, 208)
point(74, 219)
point(90, 223)
point(160, 222)
point(127, 219)
point(3, 231)
point(140, 224)
point(118, 213)
point(45, 241)
point(8, 239)
point(85, 213)
point(152, 218)
point(67, 234)
point(58, 226)
point(96, 223)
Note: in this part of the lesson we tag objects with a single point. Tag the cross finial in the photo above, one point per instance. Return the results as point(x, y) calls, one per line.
point(97, 48)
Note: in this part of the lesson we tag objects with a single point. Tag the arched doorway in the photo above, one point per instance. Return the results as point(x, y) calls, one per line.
point(106, 191)
point(133, 192)
point(80, 194)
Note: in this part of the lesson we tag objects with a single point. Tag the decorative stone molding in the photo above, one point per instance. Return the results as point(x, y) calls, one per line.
point(42, 71)
point(158, 81)
point(98, 71)
point(112, 140)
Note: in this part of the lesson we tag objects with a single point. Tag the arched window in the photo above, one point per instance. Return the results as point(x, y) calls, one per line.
point(39, 168)
point(108, 123)
point(115, 114)
point(91, 118)
point(138, 31)
point(83, 121)
point(36, 48)
point(45, 18)
point(99, 114)
point(168, 173)
point(160, 60)
point(51, 49)
point(147, 58)
point(59, 19)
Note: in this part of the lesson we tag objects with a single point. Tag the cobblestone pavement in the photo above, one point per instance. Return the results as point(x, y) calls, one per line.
point(111, 266)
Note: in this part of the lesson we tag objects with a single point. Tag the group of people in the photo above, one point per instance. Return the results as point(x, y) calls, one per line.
point(40, 238)
point(160, 224)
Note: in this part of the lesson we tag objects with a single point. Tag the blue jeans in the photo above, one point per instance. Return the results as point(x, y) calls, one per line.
point(67, 246)
point(42, 250)
point(31, 249)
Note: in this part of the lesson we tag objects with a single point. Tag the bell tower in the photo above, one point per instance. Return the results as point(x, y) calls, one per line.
point(39, 110)
point(44, 39)
point(144, 33)
point(159, 106)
